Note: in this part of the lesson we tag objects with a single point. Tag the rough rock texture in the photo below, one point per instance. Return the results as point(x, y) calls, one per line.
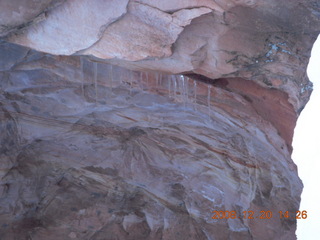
point(263, 41)
point(91, 150)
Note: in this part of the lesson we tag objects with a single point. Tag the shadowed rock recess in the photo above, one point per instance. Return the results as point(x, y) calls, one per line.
point(125, 119)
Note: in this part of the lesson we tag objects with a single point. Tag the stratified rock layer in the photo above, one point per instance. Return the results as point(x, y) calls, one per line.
point(94, 151)
point(91, 150)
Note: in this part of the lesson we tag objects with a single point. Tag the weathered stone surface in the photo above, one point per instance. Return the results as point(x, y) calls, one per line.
point(10, 55)
point(256, 40)
point(95, 151)
point(161, 28)
point(17, 14)
point(73, 26)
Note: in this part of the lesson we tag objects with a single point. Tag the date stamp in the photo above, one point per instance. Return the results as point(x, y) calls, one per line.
point(258, 215)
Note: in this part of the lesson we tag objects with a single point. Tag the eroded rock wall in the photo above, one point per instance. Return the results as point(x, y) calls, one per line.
point(200, 119)
point(95, 151)
point(263, 41)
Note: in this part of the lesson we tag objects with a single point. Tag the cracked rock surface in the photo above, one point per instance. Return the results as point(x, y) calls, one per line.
point(138, 119)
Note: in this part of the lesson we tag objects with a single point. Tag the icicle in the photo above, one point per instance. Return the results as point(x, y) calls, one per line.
point(174, 87)
point(82, 76)
point(131, 82)
point(183, 92)
point(169, 85)
point(95, 77)
point(140, 83)
point(160, 79)
point(111, 77)
point(209, 100)
point(156, 78)
point(187, 89)
point(147, 79)
point(195, 94)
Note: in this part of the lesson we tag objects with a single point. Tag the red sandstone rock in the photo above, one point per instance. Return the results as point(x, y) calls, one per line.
point(95, 151)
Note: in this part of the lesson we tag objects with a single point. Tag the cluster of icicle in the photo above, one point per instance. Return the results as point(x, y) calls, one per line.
point(178, 88)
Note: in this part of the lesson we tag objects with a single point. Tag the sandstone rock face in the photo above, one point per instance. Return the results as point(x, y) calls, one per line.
point(251, 39)
point(94, 151)
point(200, 119)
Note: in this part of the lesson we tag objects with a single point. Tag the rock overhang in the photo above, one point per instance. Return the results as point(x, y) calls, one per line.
point(79, 123)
